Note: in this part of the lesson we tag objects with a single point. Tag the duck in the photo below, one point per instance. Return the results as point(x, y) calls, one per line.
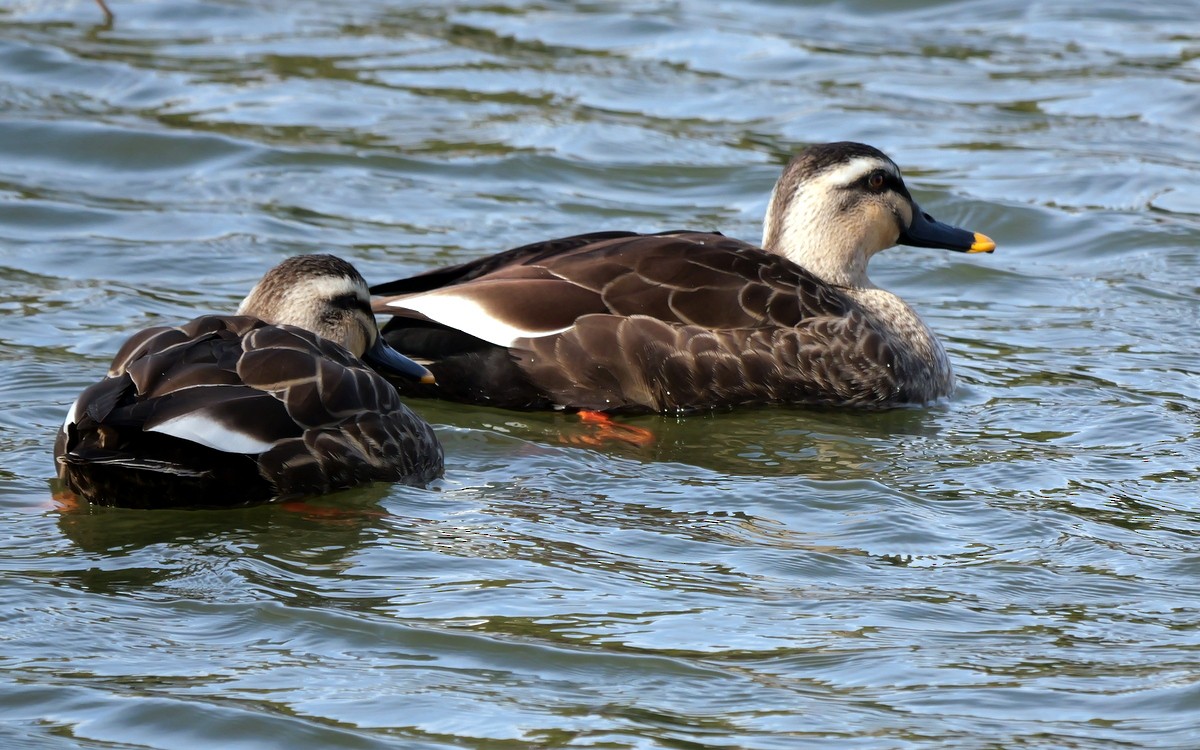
point(685, 321)
point(278, 401)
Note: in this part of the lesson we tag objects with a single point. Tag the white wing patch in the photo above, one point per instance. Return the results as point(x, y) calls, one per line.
point(199, 428)
point(70, 420)
point(468, 316)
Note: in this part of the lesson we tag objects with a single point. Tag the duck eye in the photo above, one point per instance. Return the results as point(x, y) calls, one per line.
point(346, 302)
point(876, 181)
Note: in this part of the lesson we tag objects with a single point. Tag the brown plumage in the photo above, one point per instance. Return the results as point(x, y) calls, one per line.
point(682, 321)
point(230, 409)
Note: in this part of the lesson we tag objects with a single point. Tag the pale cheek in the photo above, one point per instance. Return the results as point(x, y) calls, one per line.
point(884, 232)
point(350, 337)
point(356, 337)
point(887, 239)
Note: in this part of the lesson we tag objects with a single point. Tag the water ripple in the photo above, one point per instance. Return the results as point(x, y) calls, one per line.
point(1014, 567)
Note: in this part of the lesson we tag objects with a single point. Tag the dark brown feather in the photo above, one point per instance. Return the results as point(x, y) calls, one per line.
point(674, 322)
point(332, 421)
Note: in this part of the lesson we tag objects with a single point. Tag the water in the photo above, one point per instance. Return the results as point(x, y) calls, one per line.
point(1015, 568)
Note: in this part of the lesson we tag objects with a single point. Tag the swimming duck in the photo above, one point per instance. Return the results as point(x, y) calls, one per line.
point(272, 402)
point(685, 321)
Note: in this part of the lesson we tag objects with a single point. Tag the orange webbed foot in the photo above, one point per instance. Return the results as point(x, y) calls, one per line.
point(606, 430)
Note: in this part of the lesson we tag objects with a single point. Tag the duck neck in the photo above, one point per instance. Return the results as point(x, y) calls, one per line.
point(832, 264)
point(818, 244)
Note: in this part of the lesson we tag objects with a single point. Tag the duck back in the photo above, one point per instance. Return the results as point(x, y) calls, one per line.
point(228, 410)
point(674, 322)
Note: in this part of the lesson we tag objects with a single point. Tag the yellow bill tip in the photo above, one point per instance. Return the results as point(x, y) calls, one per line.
point(982, 244)
point(428, 379)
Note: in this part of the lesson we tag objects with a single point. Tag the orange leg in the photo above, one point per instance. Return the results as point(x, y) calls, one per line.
point(65, 501)
point(327, 513)
point(605, 430)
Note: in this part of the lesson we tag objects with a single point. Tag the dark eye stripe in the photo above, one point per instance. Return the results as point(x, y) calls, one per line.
point(347, 302)
point(890, 182)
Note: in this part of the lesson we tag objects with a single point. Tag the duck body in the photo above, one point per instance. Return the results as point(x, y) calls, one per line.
point(233, 409)
point(674, 322)
point(687, 321)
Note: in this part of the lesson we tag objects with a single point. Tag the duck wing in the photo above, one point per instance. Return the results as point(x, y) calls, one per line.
point(304, 415)
point(184, 382)
point(697, 279)
point(353, 426)
point(675, 322)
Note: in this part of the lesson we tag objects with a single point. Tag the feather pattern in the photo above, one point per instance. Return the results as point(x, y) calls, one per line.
point(684, 321)
point(677, 322)
point(229, 409)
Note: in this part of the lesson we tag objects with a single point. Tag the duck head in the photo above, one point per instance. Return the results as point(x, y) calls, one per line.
point(837, 204)
point(326, 295)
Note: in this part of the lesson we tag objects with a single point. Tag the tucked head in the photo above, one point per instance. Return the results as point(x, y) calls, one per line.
point(837, 204)
point(328, 296)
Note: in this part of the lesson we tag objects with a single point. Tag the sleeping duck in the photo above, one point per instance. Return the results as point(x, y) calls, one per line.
point(685, 321)
point(272, 402)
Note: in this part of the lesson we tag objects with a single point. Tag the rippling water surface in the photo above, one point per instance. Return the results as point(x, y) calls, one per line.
point(1015, 568)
